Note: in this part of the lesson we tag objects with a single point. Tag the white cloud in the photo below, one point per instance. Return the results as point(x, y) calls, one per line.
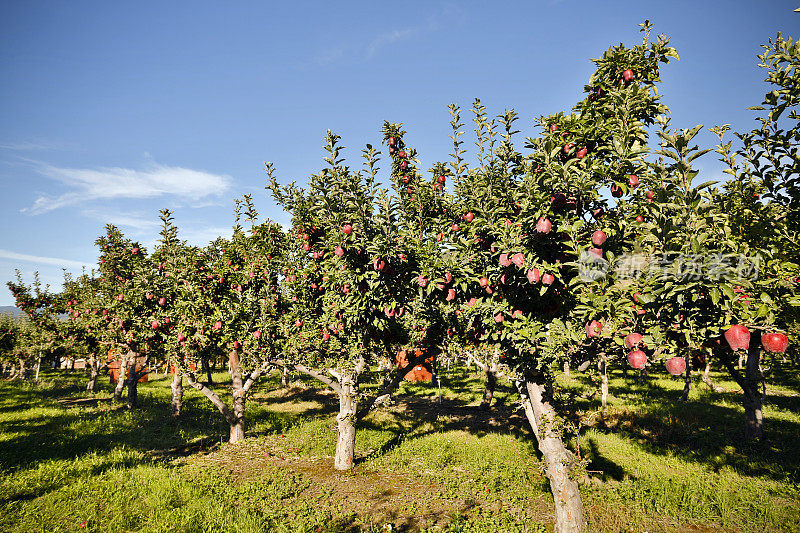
point(27, 146)
point(14, 256)
point(116, 182)
point(389, 38)
point(202, 237)
point(137, 221)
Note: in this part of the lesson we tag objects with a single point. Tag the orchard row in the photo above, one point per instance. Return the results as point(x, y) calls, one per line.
point(484, 259)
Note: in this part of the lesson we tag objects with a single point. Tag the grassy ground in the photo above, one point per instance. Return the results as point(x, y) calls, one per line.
point(652, 464)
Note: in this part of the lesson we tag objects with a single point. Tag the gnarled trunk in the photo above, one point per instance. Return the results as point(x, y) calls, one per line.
point(603, 382)
point(558, 460)
point(489, 385)
point(237, 421)
point(38, 367)
point(133, 391)
point(687, 379)
point(752, 401)
point(707, 380)
point(177, 392)
point(94, 371)
point(285, 377)
point(346, 423)
point(121, 376)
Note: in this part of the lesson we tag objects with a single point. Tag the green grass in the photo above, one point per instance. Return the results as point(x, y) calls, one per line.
point(653, 463)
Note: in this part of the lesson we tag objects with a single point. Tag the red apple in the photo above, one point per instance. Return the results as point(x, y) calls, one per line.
point(181, 337)
point(451, 294)
point(553, 127)
point(347, 229)
point(738, 337)
point(338, 251)
point(378, 264)
point(298, 323)
point(676, 365)
point(455, 227)
point(518, 259)
point(775, 342)
point(217, 325)
point(326, 336)
point(154, 324)
point(533, 276)
point(633, 180)
point(650, 195)
point(401, 154)
point(469, 217)
point(637, 359)
point(632, 340)
point(472, 301)
point(257, 334)
point(442, 179)
point(504, 260)
point(627, 76)
point(499, 317)
point(567, 147)
point(422, 281)
point(392, 140)
point(593, 328)
point(120, 297)
point(543, 225)
point(162, 301)
point(599, 238)
point(548, 279)
point(616, 191)
point(237, 345)
point(639, 218)
point(483, 282)
point(581, 153)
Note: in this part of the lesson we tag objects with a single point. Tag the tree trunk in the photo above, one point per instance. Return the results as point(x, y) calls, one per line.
point(707, 380)
point(489, 385)
point(207, 368)
point(93, 373)
point(687, 380)
point(177, 392)
point(237, 421)
point(38, 367)
point(133, 392)
point(346, 422)
point(123, 370)
point(566, 369)
point(22, 369)
point(754, 429)
point(566, 494)
point(285, 377)
point(642, 376)
point(603, 382)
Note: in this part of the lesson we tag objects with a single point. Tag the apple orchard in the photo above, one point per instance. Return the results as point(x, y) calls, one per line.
point(593, 243)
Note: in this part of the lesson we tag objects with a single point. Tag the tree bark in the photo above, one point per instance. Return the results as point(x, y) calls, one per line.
point(121, 376)
point(566, 369)
point(687, 380)
point(285, 377)
point(603, 382)
point(566, 493)
point(489, 385)
point(346, 423)
point(707, 380)
point(751, 399)
point(94, 371)
point(753, 402)
point(38, 367)
point(237, 422)
point(177, 393)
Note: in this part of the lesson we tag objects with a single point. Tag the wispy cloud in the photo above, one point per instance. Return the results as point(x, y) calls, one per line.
point(14, 256)
point(115, 183)
point(389, 38)
point(27, 146)
point(447, 14)
point(137, 221)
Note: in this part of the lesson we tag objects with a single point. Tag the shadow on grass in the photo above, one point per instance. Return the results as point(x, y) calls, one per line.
point(707, 429)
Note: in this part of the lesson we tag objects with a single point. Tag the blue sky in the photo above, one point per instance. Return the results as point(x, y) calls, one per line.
point(110, 111)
